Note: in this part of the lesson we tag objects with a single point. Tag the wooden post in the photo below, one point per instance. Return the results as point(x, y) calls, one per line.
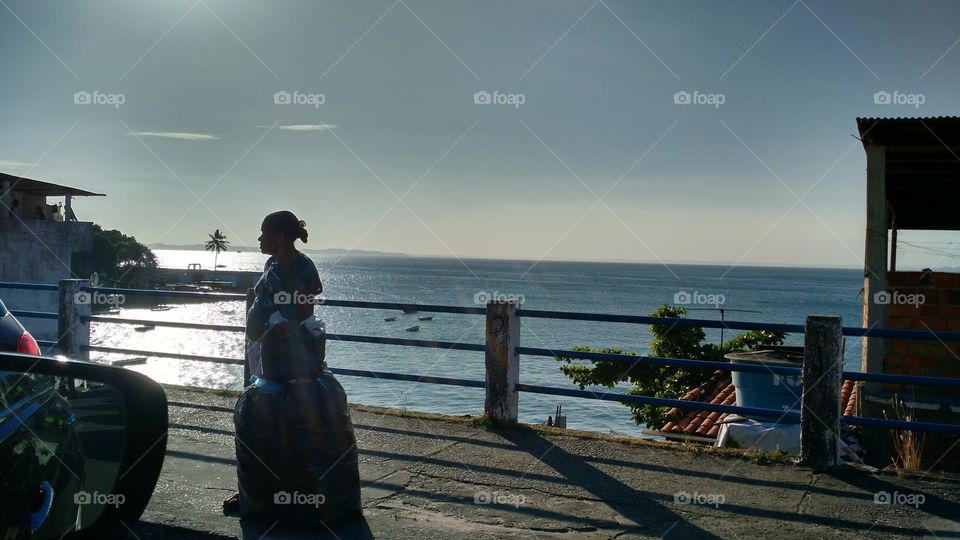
point(73, 332)
point(502, 361)
point(822, 377)
point(246, 344)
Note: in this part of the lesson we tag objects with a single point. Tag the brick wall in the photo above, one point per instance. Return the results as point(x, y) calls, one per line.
point(926, 302)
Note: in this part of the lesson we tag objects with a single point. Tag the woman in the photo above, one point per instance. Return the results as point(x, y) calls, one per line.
point(294, 433)
point(280, 320)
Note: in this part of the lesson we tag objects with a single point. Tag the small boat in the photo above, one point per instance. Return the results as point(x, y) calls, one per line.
point(409, 310)
point(427, 318)
point(161, 307)
point(144, 328)
point(389, 319)
point(414, 328)
point(130, 361)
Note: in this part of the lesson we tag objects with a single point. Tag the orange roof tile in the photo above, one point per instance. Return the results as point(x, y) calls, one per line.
point(719, 389)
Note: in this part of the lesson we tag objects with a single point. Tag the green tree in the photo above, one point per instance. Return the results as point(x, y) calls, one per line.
point(217, 243)
point(116, 257)
point(669, 341)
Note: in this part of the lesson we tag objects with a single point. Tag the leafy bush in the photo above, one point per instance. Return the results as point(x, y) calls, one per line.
point(669, 341)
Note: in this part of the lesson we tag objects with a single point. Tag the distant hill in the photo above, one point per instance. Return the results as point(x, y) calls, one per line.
point(331, 251)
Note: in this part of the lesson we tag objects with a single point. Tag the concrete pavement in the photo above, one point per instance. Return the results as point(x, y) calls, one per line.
point(452, 478)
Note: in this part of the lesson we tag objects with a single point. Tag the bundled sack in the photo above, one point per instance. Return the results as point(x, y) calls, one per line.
point(296, 453)
point(301, 356)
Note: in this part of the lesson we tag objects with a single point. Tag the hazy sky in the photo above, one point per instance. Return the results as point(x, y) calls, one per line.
point(588, 155)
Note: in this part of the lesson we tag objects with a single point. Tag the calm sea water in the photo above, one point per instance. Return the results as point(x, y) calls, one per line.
point(780, 295)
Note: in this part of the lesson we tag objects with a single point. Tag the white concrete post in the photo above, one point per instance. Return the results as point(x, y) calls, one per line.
point(502, 361)
point(822, 377)
point(72, 331)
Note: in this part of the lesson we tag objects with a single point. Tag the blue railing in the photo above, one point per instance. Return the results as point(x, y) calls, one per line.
point(540, 352)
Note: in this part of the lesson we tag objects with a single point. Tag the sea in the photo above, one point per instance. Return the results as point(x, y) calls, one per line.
point(745, 293)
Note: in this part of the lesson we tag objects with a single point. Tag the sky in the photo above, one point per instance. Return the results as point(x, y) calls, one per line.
point(716, 132)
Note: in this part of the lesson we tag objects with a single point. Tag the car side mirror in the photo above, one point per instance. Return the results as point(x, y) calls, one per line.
point(81, 446)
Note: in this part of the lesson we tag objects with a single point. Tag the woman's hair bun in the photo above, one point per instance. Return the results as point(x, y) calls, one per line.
point(302, 231)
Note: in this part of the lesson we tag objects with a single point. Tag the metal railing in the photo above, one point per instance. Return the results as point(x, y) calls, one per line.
point(502, 349)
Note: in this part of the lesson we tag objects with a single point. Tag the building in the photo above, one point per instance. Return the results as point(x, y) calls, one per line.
point(913, 183)
point(37, 243)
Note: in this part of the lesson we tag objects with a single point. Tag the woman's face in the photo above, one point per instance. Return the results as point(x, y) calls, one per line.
point(269, 240)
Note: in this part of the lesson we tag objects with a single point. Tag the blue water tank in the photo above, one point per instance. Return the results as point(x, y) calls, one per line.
point(769, 390)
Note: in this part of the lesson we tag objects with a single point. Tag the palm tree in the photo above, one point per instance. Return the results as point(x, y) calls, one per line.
point(217, 243)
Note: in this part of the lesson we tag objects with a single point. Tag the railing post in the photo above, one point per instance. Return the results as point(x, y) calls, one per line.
point(502, 361)
point(73, 333)
point(246, 345)
point(822, 377)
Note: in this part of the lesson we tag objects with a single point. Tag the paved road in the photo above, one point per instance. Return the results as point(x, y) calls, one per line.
point(427, 478)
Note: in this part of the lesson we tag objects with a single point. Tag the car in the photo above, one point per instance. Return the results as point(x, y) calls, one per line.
point(13, 336)
point(81, 444)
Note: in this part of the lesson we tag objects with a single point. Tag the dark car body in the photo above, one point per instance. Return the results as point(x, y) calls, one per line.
point(42, 459)
point(13, 336)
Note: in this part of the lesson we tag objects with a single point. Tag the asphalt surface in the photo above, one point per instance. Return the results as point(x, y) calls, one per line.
point(431, 478)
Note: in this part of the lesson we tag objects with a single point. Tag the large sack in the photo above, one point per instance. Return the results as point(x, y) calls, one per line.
point(296, 453)
point(302, 355)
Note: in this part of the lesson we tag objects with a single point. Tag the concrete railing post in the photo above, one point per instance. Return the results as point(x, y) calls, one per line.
point(502, 361)
point(822, 377)
point(246, 345)
point(73, 333)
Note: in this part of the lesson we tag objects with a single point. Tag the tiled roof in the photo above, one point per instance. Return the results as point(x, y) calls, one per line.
point(720, 390)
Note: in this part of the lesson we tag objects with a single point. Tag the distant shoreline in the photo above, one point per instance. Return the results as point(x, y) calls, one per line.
point(386, 254)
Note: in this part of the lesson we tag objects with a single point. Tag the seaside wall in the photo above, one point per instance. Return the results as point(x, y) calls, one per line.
point(939, 310)
point(39, 251)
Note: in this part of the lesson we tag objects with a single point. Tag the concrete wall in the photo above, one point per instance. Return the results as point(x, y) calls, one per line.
point(38, 251)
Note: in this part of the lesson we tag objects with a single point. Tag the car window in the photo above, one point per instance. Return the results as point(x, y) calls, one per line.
point(3, 309)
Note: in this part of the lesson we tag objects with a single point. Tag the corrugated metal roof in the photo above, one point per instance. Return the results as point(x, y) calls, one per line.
point(48, 189)
point(922, 169)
